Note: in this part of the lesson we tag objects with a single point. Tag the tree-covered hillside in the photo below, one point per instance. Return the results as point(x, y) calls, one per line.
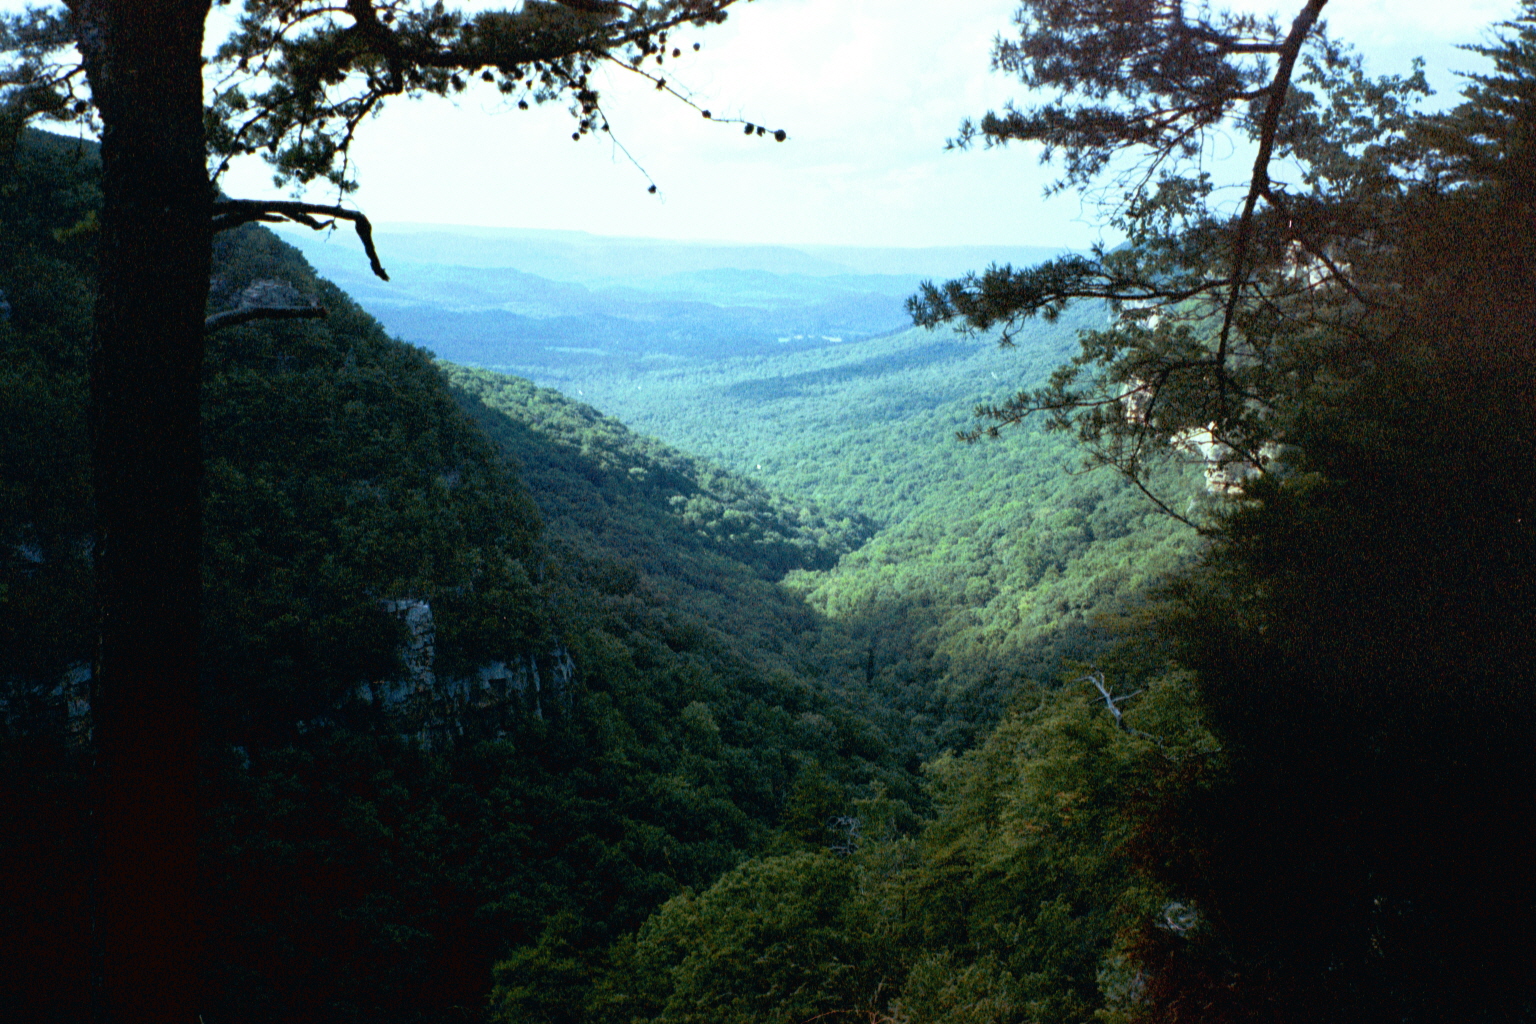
point(434, 724)
point(485, 672)
point(1295, 790)
point(865, 424)
point(516, 714)
point(598, 477)
point(993, 562)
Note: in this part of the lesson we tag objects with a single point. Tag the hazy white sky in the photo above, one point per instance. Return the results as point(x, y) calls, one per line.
point(868, 91)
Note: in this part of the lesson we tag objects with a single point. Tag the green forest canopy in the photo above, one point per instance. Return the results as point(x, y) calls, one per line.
point(714, 714)
point(790, 757)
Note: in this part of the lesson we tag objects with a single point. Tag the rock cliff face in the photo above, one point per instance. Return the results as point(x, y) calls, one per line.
point(438, 710)
point(435, 711)
point(62, 707)
point(1226, 468)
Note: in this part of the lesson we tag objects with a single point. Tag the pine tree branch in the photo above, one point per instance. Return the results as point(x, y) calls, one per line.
point(1259, 183)
point(231, 213)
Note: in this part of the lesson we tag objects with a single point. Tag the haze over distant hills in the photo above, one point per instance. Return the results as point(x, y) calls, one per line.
point(541, 300)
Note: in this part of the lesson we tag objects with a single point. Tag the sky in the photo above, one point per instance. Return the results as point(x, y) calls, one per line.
point(867, 90)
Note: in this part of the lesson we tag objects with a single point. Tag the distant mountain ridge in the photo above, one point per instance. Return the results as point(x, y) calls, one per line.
point(586, 258)
point(537, 301)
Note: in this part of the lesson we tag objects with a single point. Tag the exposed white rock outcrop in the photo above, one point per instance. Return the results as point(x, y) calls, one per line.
point(1226, 468)
point(436, 709)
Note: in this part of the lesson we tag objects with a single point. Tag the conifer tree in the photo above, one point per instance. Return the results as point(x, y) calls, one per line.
point(1361, 623)
point(1217, 309)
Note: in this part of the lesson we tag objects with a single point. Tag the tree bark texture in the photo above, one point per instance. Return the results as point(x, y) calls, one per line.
point(144, 62)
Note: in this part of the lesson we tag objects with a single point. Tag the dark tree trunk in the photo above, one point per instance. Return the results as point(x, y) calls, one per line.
point(144, 61)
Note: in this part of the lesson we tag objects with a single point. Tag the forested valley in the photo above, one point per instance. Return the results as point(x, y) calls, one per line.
point(743, 690)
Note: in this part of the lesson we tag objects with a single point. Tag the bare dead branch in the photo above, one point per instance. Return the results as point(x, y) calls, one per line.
point(1110, 701)
point(231, 213)
point(662, 85)
point(1113, 704)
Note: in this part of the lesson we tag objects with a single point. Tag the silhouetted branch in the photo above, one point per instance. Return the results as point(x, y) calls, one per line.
point(245, 314)
point(1259, 184)
point(231, 213)
point(1163, 506)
